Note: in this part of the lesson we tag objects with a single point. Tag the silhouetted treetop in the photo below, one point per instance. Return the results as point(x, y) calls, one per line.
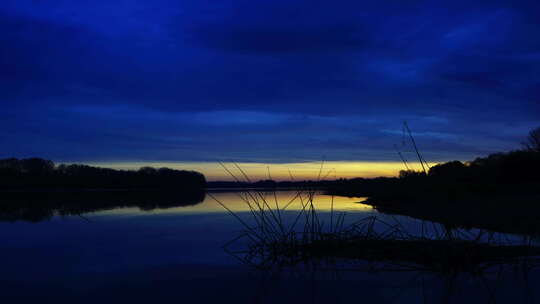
point(453, 170)
point(533, 140)
point(411, 174)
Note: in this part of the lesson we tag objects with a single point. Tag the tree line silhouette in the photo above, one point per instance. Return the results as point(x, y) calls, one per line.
point(37, 173)
point(514, 172)
point(499, 192)
point(35, 189)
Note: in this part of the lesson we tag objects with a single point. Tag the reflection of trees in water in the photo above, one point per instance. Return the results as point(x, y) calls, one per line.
point(76, 189)
point(40, 206)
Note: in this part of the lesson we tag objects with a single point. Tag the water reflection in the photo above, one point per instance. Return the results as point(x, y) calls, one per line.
point(127, 254)
point(324, 203)
point(35, 208)
point(40, 206)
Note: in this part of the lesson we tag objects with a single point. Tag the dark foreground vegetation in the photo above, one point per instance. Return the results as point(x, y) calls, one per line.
point(447, 190)
point(306, 236)
point(499, 192)
point(36, 189)
point(310, 238)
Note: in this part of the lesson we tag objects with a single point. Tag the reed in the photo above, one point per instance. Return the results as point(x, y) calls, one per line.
point(274, 240)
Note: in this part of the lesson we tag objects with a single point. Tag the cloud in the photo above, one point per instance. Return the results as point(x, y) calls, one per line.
point(278, 80)
point(269, 40)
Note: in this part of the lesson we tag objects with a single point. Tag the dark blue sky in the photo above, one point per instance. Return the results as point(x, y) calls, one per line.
point(266, 81)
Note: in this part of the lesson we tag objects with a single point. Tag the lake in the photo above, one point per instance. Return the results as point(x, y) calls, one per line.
point(175, 254)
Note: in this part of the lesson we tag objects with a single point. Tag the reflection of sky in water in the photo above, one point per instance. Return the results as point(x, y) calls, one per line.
point(130, 238)
point(140, 256)
point(234, 202)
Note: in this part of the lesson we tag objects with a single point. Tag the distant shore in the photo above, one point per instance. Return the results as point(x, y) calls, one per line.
point(500, 192)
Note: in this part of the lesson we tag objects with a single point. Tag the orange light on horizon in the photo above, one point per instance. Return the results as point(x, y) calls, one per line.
point(260, 171)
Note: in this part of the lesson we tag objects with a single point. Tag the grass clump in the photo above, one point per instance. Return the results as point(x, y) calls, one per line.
point(276, 235)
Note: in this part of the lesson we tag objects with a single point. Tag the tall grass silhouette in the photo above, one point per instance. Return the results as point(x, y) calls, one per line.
point(271, 236)
point(306, 236)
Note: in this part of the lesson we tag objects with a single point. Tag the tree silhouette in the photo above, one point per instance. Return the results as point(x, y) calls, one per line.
point(42, 173)
point(533, 140)
point(452, 170)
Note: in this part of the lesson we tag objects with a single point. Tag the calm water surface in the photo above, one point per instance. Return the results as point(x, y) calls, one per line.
point(175, 254)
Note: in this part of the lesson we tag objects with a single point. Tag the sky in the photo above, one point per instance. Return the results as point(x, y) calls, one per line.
point(281, 83)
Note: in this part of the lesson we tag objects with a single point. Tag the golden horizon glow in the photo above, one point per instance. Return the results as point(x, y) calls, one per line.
point(260, 171)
